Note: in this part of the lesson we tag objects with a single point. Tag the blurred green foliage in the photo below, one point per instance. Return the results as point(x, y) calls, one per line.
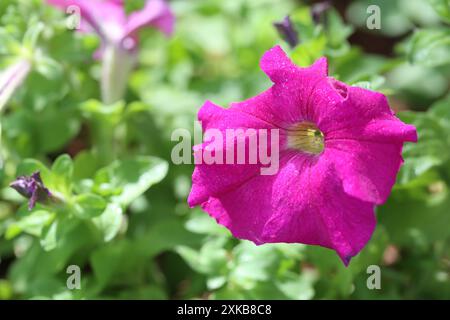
point(124, 218)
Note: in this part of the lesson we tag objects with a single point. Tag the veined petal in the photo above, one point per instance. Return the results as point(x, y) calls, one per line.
point(293, 86)
point(322, 196)
point(363, 136)
point(363, 115)
point(390, 130)
point(245, 210)
point(214, 179)
point(304, 203)
point(368, 170)
point(310, 206)
point(358, 114)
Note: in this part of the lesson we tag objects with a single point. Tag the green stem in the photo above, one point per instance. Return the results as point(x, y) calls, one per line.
point(103, 136)
point(117, 64)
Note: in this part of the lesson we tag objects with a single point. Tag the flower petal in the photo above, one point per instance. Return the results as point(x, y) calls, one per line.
point(359, 114)
point(156, 13)
point(277, 65)
point(368, 169)
point(293, 86)
point(326, 199)
point(390, 130)
point(365, 136)
point(107, 18)
point(262, 107)
point(212, 180)
point(304, 203)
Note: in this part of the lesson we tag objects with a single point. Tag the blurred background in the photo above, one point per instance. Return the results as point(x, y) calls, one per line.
point(152, 246)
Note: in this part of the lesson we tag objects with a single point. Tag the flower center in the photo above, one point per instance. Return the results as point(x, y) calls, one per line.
point(306, 137)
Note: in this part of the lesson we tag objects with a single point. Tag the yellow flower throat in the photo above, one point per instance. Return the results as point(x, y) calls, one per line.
point(306, 137)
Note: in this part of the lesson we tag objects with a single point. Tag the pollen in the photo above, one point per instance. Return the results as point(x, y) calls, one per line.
point(306, 137)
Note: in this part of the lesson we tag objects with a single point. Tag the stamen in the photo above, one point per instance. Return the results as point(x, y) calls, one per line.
point(306, 137)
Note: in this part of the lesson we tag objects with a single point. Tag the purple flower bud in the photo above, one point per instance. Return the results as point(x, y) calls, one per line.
point(32, 188)
point(287, 31)
point(319, 9)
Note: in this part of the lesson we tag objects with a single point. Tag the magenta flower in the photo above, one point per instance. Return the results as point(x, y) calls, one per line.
point(108, 19)
point(340, 151)
point(119, 35)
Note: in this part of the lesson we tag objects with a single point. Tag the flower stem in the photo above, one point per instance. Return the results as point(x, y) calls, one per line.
point(103, 136)
point(116, 67)
point(117, 64)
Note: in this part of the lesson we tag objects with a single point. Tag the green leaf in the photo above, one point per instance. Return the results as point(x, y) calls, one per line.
point(210, 260)
point(442, 7)
point(201, 222)
point(87, 206)
point(62, 171)
point(96, 110)
point(48, 67)
point(132, 177)
point(307, 52)
point(54, 235)
point(304, 24)
point(6, 290)
point(374, 84)
point(167, 234)
point(30, 166)
point(64, 124)
point(337, 30)
point(32, 35)
point(32, 224)
point(253, 264)
point(441, 111)
point(109, 221)
point(409, 218)
point(85, 165)
point(8, 44)
point(298, 287)
point(30, 273)
point(431, 150)
point(107, 260)
point(430, 47)
point(394, 20)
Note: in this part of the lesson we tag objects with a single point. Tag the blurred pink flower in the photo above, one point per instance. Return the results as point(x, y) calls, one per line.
point(118, 33)
point(11, 79)
point(109, 20)
point(340, 151)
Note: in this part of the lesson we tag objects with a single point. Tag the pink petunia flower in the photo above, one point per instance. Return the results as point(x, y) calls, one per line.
point(109, 20)
point(119, 35)
point(340, 151)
